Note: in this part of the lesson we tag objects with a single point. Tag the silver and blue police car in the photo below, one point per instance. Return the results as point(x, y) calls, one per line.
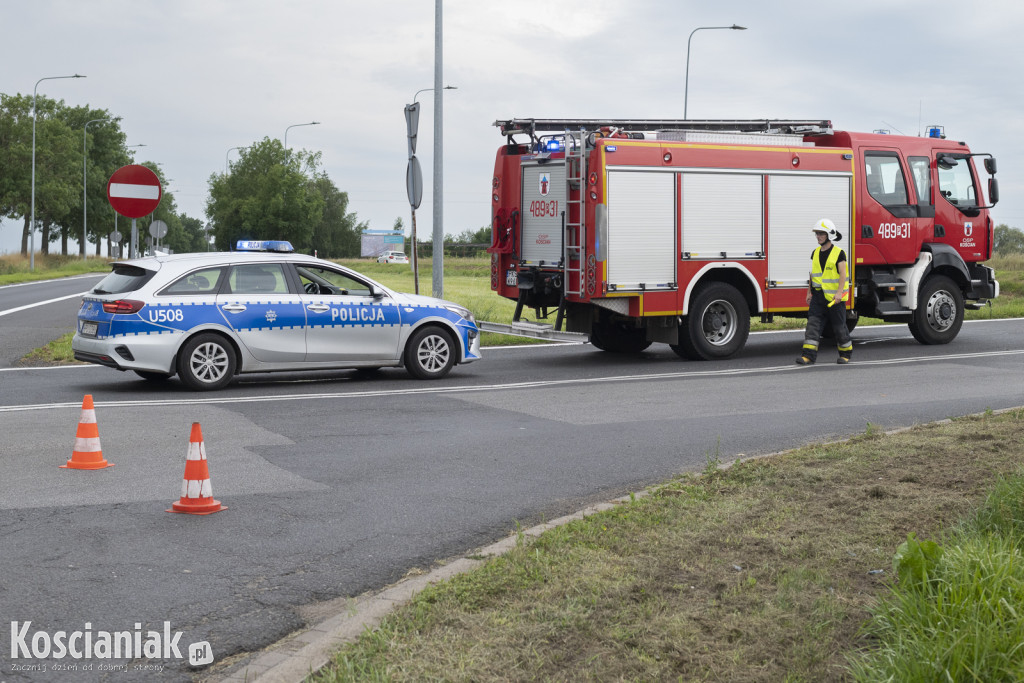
point(210, 316)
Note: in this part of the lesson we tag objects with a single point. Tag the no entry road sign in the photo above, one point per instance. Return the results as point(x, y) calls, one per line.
point(134, 191)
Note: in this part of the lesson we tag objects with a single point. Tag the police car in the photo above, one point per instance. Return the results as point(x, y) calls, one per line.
point(210, 316)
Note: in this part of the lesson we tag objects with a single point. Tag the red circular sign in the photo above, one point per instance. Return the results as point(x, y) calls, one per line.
point(134, 191)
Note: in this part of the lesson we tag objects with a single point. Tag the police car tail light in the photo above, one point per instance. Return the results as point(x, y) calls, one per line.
point(123, 306)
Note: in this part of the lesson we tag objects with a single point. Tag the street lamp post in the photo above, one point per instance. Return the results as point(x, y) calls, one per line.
point(686, 92)
point(229, 152)
point(311, 123)
point(438, 259)
point(85, 159)
point(32, 220)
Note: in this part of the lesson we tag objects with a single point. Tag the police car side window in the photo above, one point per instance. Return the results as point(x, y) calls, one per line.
point(258, 278)
point(205, 281)
point(331, 282)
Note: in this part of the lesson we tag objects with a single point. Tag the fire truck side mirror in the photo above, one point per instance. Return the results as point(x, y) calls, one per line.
point(993, 190)
point(990, 165)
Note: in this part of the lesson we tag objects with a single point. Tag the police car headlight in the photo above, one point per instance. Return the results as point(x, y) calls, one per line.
point(464, 312)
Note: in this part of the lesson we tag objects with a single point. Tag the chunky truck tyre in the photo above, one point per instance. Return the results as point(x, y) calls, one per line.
point(717, 326)
point(940, 311)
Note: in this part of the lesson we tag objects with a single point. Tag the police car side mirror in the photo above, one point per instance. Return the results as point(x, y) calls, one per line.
point(375, 293)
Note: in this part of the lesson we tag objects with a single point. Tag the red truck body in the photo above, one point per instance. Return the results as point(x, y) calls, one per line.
point(634, 232)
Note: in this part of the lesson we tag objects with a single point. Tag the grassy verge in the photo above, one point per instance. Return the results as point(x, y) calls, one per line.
point(765, 571)
point(14, 268)
point(956, 613)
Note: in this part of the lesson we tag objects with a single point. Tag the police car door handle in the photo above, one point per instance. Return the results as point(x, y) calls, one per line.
point(319, 308)
point(233, 308)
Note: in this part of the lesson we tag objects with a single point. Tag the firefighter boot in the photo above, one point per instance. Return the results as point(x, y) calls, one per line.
point(808, 356)
point(845, 351)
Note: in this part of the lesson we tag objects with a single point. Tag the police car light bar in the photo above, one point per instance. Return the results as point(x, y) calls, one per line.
point(265, 245)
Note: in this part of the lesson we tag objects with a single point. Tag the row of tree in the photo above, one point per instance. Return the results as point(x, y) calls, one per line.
point(269, 193)
point(76, 151)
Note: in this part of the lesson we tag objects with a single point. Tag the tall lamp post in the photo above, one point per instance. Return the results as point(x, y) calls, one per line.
point(311, 123)
point(438, 260)
point(686, 92)
point(229, 152)
point(32, 220)
point(85, 160)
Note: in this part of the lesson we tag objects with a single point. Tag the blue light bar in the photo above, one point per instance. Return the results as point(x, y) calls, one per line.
point(265, 245)
point(554, 145)
point(936, 132)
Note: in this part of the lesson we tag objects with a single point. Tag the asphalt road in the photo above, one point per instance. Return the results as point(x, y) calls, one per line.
point(338, 484)
point(25, 325)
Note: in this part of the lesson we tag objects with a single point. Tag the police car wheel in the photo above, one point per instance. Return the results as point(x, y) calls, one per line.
point(206, 362)
point(430, 353)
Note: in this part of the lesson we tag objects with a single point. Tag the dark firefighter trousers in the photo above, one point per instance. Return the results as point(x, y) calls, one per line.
point(817, 315)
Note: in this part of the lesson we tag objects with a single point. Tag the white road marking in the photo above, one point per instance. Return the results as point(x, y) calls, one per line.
point(279, 398)
point(41, 303)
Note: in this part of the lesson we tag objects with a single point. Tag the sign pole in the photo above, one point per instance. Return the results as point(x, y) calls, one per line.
point(135, 240)
point(415, 258)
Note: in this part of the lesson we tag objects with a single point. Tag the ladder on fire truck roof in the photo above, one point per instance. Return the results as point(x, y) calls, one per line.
point(531, 127)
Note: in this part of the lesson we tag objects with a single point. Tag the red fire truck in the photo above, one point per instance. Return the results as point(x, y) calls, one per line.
point(637, 231)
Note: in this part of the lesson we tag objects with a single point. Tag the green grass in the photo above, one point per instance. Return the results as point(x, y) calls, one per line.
point(15, 268)
point(765, 571)
point(957, 612)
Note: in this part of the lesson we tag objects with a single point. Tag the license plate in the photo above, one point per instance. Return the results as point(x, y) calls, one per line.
point(511, 278)
point(89, 329)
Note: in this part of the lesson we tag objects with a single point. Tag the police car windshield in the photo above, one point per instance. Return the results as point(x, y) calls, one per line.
point(123, 278)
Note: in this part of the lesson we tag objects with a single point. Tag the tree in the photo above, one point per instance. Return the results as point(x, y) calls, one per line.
point(104, 152)
point(56, 164)
point(337, 235)
point(187, 236)
point(15, 154)
point(1008, 240)
point(268, 193)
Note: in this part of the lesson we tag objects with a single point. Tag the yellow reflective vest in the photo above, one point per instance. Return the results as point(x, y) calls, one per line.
point(828, 281)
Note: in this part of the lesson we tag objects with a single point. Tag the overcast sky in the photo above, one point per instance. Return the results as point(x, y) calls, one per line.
point(194, 78)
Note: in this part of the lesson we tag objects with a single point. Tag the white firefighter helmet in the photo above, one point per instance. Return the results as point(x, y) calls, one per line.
point(829, 228)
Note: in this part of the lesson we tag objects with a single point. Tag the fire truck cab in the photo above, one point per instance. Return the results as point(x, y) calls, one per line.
point(632, 232)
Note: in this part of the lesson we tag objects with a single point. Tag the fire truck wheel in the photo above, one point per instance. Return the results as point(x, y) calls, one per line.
point(429, 353)
point(717, 326)
point(940, 311)
point(618, 339)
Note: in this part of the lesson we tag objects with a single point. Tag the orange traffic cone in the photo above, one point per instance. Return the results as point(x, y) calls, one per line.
point(196, 490)
point(87, 454)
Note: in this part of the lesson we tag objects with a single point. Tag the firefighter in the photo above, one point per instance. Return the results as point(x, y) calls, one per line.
point(827, 292)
